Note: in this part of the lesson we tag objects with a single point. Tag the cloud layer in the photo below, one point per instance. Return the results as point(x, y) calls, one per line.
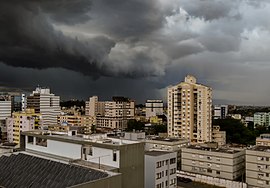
point(151, 44)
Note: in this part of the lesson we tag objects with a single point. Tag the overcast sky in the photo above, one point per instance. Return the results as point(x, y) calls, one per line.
point(136, 48)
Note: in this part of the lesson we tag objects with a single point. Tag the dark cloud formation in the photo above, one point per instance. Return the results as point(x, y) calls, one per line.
point(136, 47)
point(28, 38)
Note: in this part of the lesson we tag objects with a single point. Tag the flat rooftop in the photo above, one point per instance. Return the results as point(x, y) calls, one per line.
point(260, 148)
point(221, 149)
point(24, 170)
point(156, 153)
point(98, 138)
point(166, 139)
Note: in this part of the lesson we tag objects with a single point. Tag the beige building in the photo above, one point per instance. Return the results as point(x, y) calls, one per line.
point(223, 163)
point(258, 167)
point(111, 114)
point(93, 107)
point(263, 140)
point(189, 111)
point(76, 120)
point(218, 136)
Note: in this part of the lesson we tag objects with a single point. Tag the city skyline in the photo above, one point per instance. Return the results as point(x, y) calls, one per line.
point(137, 48)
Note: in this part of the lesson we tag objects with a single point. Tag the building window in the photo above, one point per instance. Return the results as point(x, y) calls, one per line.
point(172, 161)
point(209, 170)
point(218, 172)
point(90, 151)
point(114, 155)
point(30, 139)
point(41, 142)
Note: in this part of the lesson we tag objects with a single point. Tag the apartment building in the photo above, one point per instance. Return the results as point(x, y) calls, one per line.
point(116, 113)
point(190, 111)
point(118, 155)
point(76, 120)
point(220, 111)
point(5, 109)
point(153, 108)
point(261, 118)
point(94, 107)
point(258, 167)
point(263, 140)
point(218, 136)
point(168, 145)
point(22, 121)
point(46, 103)
point(160, 169)
point(226, 163)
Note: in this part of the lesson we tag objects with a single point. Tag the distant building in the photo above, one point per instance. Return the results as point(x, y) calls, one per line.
point(5, 109)
point(261, 118)
point(225, 163)
point(46, 103)
point(76, 120)
point(263, 140)
point(218, 136)
point(116, 155)
point(220, 111)
point(94, 107)
point(160, 169)
point(111, 114)
point(22, 121)
point(236, 116)
point(257, 167)
point(153, 108)
point(190, 111)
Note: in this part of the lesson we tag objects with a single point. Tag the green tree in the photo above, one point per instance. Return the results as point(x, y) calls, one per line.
point(135, 125)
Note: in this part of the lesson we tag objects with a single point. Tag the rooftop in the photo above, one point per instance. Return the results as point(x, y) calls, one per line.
point(96, 138)
point(166, 139)
point(260, 148)
point(156, 153)
point(221, 149)
point(29, 171)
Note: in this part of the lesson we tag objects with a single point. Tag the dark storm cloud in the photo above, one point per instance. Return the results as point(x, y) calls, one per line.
point(148, 44)
point(28, 39)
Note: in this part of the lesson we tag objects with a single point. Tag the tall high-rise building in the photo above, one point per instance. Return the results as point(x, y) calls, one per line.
point(189, 111)
point(45, 103)
point(93, 107)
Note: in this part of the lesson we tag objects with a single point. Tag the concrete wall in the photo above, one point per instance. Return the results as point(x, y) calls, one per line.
point(132, 165)
point(104, 156)
point(68, 150)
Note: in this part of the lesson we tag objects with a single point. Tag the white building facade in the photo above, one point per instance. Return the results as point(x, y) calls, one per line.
point(160, 169)
point(46, 103)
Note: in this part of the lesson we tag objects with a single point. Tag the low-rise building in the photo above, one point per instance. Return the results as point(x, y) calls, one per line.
point(218, 136)
point(263, 140)
point(167, 144)
point(76, 120)
point(258, 167)
point(117, 155)
point(223, 163)
point(160, 169)
point(153, 108)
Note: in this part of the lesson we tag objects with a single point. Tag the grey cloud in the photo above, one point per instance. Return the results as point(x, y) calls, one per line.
point(27, 39)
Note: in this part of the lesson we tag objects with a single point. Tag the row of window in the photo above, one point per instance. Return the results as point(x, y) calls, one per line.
point(162, 184)
point(161, 174)
point(166, 162)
